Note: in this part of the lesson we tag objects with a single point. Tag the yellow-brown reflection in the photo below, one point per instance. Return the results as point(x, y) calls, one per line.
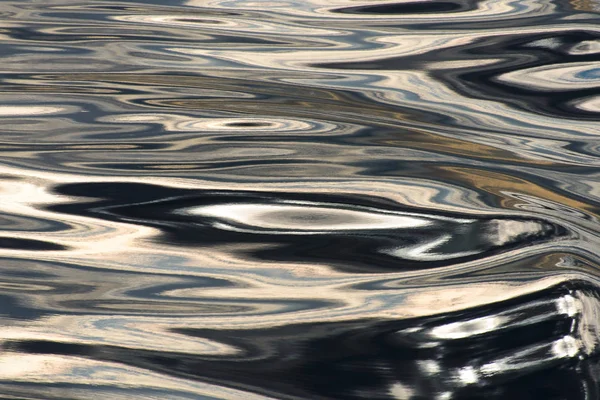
point(502, 185)
point(468, 148)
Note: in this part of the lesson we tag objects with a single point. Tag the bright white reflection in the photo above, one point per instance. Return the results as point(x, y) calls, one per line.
point(566, 347)
point(401, 392)
point(26, 110)
point(568, 305)
point(430, 367)
point(507, 231)
point(477, 326)
point(468, 375)
point(581, 75)
point(585, 47)
point(304, 218)
point(425, 251)
point(591, 104)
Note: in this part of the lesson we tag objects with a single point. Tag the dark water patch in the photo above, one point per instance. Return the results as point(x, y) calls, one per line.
point(359, 358)
point(405, 8)
point(29, 244)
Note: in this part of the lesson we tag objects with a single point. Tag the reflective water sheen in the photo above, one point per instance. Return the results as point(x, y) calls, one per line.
point(300, 199)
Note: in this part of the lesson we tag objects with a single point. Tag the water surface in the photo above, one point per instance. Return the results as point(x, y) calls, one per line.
point(307, 200)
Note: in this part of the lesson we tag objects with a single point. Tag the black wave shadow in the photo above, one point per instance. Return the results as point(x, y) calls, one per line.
point(368, 358)
point(409, 8)
point(362, 250)
point(12, 243)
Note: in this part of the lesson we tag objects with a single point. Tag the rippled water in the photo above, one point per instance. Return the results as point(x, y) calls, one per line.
point(300, 199)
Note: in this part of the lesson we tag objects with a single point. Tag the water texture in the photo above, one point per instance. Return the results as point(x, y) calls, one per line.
point(299, 199)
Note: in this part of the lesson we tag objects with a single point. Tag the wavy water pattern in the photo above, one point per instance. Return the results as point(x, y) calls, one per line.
point(230, 199)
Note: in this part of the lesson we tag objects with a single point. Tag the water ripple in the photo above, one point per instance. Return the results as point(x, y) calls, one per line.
point(233, 199)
